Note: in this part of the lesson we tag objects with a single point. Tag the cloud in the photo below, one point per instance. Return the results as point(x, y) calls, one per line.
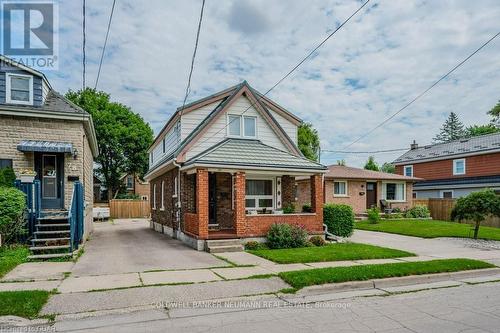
point(247, 19)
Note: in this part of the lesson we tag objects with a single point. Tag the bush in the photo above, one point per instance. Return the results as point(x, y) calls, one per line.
point(289, 209)
point(254, 245)
point(339, 219)
point(397, 210)
point(128, 196)
point(307, 208)
point(317, 240)
point(12, 208)
point(419, 211)
point(7, 177)
point(396, 216)
point(282, 236)
point(373, 215)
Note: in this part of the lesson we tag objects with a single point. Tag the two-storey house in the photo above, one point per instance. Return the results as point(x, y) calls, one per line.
point(453, 169)
point(225, 166)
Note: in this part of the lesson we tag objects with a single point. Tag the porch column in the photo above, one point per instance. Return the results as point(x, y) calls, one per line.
point(239, 204)
point(202, 202)
point(317, 200)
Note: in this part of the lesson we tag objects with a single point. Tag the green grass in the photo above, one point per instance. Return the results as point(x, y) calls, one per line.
point(11, 256)
point(429, 229)
point(25, 304)
point(332, 252)
point(310, 277)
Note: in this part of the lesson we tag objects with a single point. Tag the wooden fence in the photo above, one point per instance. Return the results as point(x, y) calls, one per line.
point(128, 208)
point(441, 210)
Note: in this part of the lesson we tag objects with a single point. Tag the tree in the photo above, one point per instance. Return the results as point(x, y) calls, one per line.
point(452, 129)
point(476, 206)
point(495, 113)
point(123, 136)
point(371, 164)
point(477, 130)
point(388, 167)
point(341, 162)
point(308, 139)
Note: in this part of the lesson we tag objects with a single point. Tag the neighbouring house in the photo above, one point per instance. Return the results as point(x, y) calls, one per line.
point(225, 166)
point(453, 169)
point(361, 189)
point(133, 185)
point(43, 132)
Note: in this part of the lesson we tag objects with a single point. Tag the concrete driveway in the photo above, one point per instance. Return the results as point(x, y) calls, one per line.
point(128, 245)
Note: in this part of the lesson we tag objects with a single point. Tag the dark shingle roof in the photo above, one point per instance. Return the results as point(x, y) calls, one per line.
point(54, 102)
point(345, 172)
point(459, 181)
point(483, 143)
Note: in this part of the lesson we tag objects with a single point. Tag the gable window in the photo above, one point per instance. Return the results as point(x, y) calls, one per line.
point(459, 167)
point(250, 127)
point(447, 194)
point(19, 89)
point(234, 125)
point(130, 182)
point(259, 194)
point(394, 191)
point(408, 170)
point(242, 126)
point(340, 189)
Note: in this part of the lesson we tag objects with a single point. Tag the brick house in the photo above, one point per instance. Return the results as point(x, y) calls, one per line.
point(225, 166)
point(133, 184)
point(453, 169)
point(42, 131)
point(361, 189)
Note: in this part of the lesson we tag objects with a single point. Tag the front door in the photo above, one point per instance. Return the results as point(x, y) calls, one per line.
point(50, 172)
point(212, 198)
point(371, 195)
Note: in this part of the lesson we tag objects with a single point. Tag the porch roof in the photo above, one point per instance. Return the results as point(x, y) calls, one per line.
point(252, 153)
point(45, 146)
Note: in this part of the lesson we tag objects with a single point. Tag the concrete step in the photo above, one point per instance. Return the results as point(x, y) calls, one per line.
point(37, 240)
point(52, 225)
point(223, 242)
point(225, 248)
point(52, 232)
point(51, 247)
point(50, 256)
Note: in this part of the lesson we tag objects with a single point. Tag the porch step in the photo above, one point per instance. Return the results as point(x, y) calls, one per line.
point(52, 247)
point(51, 218)
point(223, 242)
point(52, 232)
point(50, 239)
point(50, 256)
point(225, 248)
point(52, 225)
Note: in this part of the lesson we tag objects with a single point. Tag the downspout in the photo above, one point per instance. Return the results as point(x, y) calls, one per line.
point(178, 210)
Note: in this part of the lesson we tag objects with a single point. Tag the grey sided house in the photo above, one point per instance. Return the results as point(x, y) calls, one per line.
point(225, 166)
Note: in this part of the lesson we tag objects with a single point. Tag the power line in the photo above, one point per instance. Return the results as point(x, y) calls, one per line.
point(188, 86)
point(105, 43)
point(83, 45)
point(424, 92)
point(363, 152)
point(259, 98)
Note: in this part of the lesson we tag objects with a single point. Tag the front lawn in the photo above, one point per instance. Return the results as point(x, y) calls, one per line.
point(331, 252)
point(429, 229)
point(25, 304)
point(11, 256)
point(310, 277)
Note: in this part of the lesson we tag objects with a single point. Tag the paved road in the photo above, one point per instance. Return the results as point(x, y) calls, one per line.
point(470, 308)
point(127, 246)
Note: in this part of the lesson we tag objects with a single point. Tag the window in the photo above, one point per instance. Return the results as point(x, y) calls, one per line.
point(394, 191)
point(19, 89)
point(162, 195)
point(259, 194)
point(234, 125)
point(409, 170)
point(459, 167)
point(447, 194)
point(175, 187)
point(130, 182)
point(340, 189)
point(414, 195)
point(5, 163)
point(250, 125)
point(154, 196)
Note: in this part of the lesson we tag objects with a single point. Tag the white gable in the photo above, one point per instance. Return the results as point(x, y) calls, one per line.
point(193, 118)
point(289, 127)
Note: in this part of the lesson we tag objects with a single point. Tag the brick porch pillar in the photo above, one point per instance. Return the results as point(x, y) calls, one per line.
point(317, 200)
point(202, 202)
point(239, 215)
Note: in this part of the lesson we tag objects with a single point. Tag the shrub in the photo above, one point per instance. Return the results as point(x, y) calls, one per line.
point(419, 211)
point(397, 210)
point(282, 235)
point(339, 219)
point(254, 245)
point(289, 209)
point(396, 216)
point(307, 208)
point(7, 177)
point(373, 215)
point(12, 208)
point(317, 240)
point(128, 196)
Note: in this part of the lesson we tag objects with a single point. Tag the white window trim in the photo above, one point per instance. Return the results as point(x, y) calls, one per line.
point(455, 167)
point(8, 97)
point(175, 187)
point(441, 193)
point(154, 196)
point(242, 126)
point(227, 125)
point(346, 189)
point(257, 197)
point(404, 170)
point(162, 195)
point(126, 180)
point(384, 191)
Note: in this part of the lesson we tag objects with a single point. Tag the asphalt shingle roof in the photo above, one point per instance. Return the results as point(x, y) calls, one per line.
point(345, 172)
point(53, 103)
point(243, 152)
point(460, 181)
point(476, 144)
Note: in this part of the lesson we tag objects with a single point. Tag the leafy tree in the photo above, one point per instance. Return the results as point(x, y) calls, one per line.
point(308, 140)
point(123, 136)
point(371, 164)
point(477, 206)
point(495, 113)
point(388, 167)
point(477, 130)
point(452, 129)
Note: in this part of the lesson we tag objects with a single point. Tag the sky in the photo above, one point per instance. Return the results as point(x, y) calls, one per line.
point(386, 55)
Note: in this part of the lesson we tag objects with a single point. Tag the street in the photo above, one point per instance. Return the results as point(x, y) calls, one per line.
point(468, 308)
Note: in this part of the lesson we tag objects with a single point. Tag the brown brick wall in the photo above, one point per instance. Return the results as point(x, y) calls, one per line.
point(288, 192)
point(167, 214)
point(353, 199)
point(223, 194)
point(303, 194)
point(202, 202)
point(239, 220)
point(258, 225)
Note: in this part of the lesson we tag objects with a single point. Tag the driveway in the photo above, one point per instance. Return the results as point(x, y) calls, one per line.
point(125, 246)
point(432, 247)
